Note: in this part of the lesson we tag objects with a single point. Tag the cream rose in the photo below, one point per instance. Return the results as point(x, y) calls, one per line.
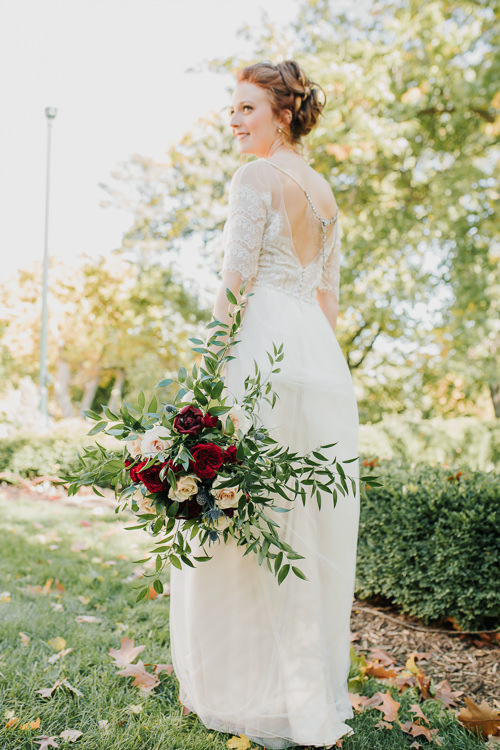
point(144, 504)
point(240, 418)
point(186, 487)
point(155, 441)
point(225, 497)
point(134, 447)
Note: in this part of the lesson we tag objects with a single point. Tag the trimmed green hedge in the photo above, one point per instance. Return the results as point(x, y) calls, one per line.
point(39, 456)
point(429, 541)
point(463, 441)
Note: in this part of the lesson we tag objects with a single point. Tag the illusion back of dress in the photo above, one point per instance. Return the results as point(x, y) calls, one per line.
point(276, 237)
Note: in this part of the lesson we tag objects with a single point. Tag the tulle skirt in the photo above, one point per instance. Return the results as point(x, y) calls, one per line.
point(253, 657)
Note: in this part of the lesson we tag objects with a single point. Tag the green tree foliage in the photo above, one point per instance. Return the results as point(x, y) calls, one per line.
point(108, 319)
point(410, 145)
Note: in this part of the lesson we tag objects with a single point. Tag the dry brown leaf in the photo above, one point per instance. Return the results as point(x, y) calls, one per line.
point(389, 706)
point(416, 709)
point(126, 653)
point(482, 717)
point(70, 735)
point(360, 702)
point(31, 725)
point(12, 722)
point(382, 656)
point(25, 639)
point(46, 741)
point(87, 618)
point(47, 692)
point(446, 695)
point(376, 669)
point(55, 657)
point(144, 680)
point(383, 725)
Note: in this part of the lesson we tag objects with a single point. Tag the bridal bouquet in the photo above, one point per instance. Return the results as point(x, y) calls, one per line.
point(202, 470)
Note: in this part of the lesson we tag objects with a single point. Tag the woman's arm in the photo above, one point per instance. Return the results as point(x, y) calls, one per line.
point(329, 303)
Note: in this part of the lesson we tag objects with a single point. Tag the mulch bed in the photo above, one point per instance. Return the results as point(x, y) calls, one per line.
point(470, 662)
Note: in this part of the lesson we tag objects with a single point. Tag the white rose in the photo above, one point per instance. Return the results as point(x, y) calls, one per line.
point(156, 440)
point(225, 497)
point(240, 418)
point(134, 447)
point(144, 504)
point(186, 487)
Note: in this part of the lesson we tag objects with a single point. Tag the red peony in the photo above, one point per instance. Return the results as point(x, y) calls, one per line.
point(189, 420)
point(230, 455)
point(149, 477)
point(210, 421)
point(207, 458)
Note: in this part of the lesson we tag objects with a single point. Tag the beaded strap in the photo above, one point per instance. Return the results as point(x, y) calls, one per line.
point(324, 222)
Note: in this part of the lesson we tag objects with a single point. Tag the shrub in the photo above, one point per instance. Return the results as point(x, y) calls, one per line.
point(37, 456)
point(464, 441)
point(429, 542)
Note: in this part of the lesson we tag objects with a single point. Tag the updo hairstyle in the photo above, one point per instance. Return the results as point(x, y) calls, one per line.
point(288, 88)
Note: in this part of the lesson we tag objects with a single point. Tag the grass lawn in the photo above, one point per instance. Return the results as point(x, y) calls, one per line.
point(94, 580)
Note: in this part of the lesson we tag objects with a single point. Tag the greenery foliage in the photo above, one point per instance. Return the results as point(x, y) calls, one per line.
point(31, 457)
point(429, 542)
point(464, 441)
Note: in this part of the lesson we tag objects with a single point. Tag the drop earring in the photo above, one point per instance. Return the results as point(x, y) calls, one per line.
point(280, 130)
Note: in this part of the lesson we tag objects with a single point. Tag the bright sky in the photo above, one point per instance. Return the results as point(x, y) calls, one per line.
point(116, 72)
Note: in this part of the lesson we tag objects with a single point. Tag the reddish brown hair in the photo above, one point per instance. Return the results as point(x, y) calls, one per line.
point(288, 87)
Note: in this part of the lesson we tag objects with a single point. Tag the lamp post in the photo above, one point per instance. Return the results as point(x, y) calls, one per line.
point(50, 114)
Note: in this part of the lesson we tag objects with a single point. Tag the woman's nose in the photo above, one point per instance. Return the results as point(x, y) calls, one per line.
point(234, 120)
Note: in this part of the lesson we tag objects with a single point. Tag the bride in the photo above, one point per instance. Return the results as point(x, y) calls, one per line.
point(268, 661)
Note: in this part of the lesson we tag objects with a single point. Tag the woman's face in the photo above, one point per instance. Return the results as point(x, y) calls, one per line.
point(253, 122)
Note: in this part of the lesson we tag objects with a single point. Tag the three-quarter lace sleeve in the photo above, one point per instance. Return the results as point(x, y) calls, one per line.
point(245, 225)
point(330, 278)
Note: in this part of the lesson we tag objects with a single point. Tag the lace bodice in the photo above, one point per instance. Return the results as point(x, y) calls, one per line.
point(259, 243)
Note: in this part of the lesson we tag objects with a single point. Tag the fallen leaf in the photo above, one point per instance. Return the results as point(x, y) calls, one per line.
point(60, 655)
point(126, 653)
point(389, 706)
point(481, 717)
point(376, 669)
point(424, 685)
point(411, 666)
point(31, 725)
point(446, 695)
point(415, 709)
point(60, 587)
point(12, 722)
point(72, 689)
point(383, 725)
point(358, 702)
point(47, 692)
point(87, 618)
point(144, 680)
point(83, 599)
point(238, 743)
point(417, 730)
point(57, 643)
point(25, 639)
point(103, 724)
point(46, 741)
point(134, 709)
point(5, 596)
point(159, 668)
point(70, 735)
point(382, 656)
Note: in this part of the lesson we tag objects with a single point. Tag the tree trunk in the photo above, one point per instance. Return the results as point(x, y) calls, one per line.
point(89, 392)
point(61, 389)
point(495, 397)
point(116, 393)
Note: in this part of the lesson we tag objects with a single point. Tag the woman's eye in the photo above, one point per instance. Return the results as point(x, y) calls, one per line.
point(247, 106)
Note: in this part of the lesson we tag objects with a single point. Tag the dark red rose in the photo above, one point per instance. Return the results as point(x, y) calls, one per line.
point(230, 455)
point(207, 458)
point(189, 420)
point(210, 421)
point(149, 477)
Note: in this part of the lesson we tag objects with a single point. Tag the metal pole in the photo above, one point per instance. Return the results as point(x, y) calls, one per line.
point(50, 113)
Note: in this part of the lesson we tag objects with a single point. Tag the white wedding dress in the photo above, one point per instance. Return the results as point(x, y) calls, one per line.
point(253, 657)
